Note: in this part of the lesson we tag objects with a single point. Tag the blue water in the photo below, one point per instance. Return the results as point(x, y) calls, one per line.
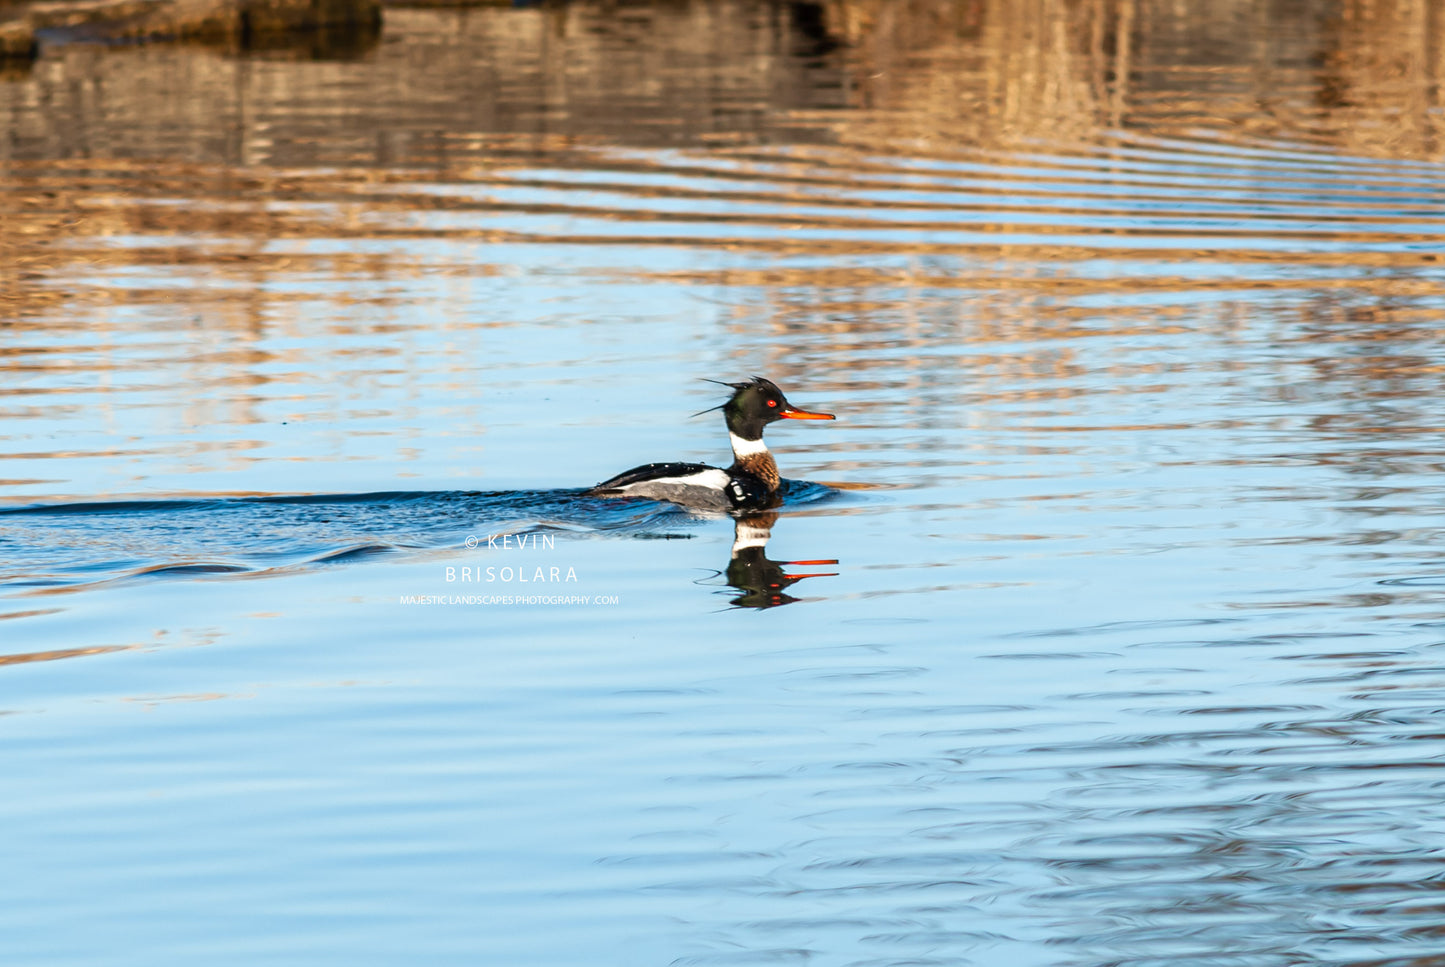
point(1100, 628)
point(80, 546)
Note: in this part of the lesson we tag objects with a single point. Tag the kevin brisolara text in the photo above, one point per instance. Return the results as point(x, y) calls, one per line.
point(511, 575)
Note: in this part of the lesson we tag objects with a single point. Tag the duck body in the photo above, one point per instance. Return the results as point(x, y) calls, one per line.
point(690, 484)
point(751, 483)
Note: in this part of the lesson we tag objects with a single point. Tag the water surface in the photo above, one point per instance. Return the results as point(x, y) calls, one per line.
point(1100, 628)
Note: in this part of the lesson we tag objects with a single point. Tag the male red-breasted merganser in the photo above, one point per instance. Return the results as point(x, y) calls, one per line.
point(752, 481)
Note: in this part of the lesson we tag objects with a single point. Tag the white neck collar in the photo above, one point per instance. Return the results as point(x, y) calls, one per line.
point(747, 448)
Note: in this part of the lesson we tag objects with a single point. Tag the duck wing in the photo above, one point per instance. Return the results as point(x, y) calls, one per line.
point(652, 473)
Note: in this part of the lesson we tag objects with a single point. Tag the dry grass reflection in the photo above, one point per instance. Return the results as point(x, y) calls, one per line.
point(57, 654)
point(1361, 75)
point(1009, 162)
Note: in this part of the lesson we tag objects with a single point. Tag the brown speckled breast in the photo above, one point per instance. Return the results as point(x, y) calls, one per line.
point(762, 466)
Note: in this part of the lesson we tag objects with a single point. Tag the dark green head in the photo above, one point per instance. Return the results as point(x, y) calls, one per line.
point(758, 402)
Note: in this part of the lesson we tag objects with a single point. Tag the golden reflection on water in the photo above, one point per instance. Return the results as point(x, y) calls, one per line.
point(1360, 75)
point(912, 79)
point(56, 654)
point(998, 149)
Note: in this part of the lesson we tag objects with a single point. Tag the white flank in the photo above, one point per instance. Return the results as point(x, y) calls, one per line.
point(711, 478)
point(747, 448)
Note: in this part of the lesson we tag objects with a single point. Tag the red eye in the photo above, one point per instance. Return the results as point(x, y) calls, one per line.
point(772, 402)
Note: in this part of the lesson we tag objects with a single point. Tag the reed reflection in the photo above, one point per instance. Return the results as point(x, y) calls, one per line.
point(988, 74)
point(939, 76)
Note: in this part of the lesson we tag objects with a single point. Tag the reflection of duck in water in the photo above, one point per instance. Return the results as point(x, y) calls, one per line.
point(751, 483)
point(763, 582)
